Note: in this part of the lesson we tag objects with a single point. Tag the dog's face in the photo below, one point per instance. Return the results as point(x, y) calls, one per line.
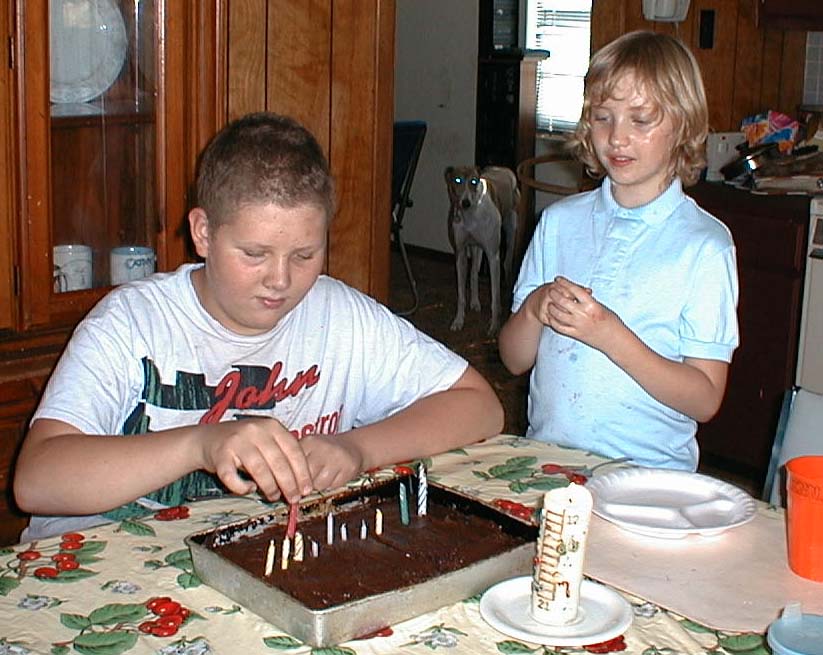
point(465, 186)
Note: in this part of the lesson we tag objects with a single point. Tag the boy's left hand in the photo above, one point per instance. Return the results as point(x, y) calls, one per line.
point(333, 460)
point(575, 313)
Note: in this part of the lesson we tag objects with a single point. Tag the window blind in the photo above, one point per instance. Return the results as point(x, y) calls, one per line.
point(563, 27)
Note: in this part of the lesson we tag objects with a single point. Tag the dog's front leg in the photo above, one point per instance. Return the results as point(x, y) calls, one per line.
point(460, 263)
point(477, 260)
point(494, 279)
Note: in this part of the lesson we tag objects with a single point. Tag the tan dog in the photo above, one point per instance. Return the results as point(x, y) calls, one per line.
point(483, 208)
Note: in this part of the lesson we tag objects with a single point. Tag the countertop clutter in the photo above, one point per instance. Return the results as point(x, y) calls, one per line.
point(780, 154)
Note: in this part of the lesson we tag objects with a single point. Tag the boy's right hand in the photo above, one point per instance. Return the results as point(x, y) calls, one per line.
point(263, 449)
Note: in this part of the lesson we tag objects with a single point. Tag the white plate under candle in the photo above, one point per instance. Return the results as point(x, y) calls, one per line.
point(603, 614)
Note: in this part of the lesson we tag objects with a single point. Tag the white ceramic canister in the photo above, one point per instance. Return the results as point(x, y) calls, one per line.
point(72, 267)
point(131, 263)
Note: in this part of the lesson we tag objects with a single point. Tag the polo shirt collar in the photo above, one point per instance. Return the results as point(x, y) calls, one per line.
point(652, 213)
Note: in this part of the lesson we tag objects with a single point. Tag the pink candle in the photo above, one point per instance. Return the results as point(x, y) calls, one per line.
point(291, 527)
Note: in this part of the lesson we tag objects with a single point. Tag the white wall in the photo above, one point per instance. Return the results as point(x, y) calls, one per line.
point(435, 81)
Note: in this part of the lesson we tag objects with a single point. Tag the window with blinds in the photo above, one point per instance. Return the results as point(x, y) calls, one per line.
point(563, 28)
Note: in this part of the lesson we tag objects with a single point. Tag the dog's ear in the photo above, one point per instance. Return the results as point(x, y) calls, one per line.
point(448, 171)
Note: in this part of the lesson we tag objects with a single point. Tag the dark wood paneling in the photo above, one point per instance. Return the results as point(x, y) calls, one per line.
point(247, 49)
point(298, 63)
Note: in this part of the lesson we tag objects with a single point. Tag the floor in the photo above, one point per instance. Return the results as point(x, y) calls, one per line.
point(435, 277)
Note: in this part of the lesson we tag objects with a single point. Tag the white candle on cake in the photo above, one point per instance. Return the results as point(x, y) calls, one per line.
point(422, 490)
point(298, 547)
point(558, 569)
point(378, 521)
point(329, 528)
point(269, 558)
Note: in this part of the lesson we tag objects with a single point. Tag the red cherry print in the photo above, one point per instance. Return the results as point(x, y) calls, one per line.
point(173, 513)
point(62, 557)
point(504, 504)
point(163, 631)
point(28, 555)
point(403, 470)
point(169, 607)
point(184, 613)
point(71, 545)
point(551, 469)
point(73, 536)
point(157, 600)
point(610, 646)
point(146, 627)
point(170, 621)
point(577, 478)
point(68, 565)
point(46, 572)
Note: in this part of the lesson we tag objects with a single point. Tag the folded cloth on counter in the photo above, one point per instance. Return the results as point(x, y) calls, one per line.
point(771, 127)
point(737, 581)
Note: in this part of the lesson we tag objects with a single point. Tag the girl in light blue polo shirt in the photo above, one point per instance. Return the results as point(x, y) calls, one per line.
point(625, 307)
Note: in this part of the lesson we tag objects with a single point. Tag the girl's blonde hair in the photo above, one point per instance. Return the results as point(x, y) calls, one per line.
point(667, 72)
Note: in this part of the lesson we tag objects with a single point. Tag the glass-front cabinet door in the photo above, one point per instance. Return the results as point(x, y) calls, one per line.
point(91, 129)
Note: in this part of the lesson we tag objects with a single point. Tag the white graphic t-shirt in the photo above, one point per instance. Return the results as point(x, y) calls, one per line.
point(148, 357)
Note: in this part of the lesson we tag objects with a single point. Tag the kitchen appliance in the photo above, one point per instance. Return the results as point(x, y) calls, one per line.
point(810, 352)
point(721, 148)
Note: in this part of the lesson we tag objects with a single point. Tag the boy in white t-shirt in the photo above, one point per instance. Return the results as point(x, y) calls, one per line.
point(251, 371)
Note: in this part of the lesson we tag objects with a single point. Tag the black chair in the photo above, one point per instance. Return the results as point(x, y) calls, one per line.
point(408, 142)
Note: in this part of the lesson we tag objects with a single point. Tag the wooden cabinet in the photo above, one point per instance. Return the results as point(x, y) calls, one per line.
point(770, 236)
point(99, 128)
point(790, 14)
point(116, 168)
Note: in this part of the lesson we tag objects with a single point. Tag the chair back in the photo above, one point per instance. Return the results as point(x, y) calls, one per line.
point(408, 143)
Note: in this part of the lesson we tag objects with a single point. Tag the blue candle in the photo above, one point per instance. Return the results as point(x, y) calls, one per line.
point(404, 504)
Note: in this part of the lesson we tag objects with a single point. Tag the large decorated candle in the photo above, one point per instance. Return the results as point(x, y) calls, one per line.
point(558, 566)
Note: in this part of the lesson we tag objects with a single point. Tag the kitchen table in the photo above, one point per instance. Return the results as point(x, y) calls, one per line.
point(90, 592)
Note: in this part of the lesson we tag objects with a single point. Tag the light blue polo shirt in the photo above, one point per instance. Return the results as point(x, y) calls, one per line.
point(668, 270)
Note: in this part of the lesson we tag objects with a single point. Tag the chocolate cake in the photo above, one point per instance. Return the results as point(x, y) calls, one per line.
point(455, 532)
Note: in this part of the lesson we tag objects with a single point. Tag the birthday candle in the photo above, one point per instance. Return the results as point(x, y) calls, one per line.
point(294, 509)
point(329, 528)
point(315, 548)
point(404, 504)
point(269, 558)
point(558, 569)
point(378, 521)
point(363, 529)
point(344, 532)
point(422, 491)
point(298, 546)
point(284, 556)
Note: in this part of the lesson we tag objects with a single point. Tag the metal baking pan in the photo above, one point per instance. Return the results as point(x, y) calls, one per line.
point(357, 618)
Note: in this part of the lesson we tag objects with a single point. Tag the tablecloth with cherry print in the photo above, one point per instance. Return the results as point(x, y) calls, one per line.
point(130, 587)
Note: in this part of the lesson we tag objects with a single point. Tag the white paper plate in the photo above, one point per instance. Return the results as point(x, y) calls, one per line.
point(603, 614)
point(671, 504)
point(88, 47)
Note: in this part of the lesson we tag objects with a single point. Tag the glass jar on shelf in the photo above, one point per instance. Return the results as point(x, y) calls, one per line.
point(103, 141)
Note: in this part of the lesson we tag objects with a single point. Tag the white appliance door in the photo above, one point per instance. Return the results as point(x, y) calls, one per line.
point(810, 357)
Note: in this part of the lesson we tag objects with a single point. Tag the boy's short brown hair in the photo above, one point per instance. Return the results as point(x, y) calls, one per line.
point(262, 158)
point(669, 75)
